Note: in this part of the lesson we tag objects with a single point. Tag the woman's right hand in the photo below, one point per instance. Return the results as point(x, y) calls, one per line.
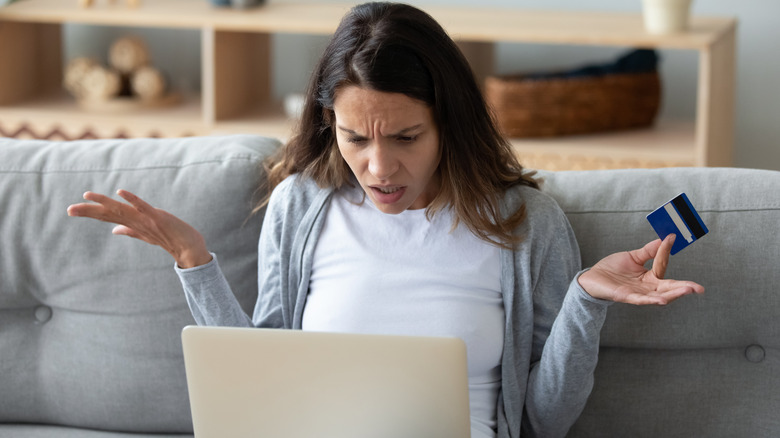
point(140, 220)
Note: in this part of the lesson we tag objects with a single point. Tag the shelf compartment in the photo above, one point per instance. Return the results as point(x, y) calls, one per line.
point(670, 143)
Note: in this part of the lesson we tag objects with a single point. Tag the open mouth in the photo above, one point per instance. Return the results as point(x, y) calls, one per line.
point(388, 190)
point(388, 195)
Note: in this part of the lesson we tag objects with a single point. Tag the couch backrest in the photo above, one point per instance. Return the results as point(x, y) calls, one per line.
point(704, 366)
point(90, 323)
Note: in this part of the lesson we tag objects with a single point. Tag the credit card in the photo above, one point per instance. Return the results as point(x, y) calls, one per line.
point(678, 216)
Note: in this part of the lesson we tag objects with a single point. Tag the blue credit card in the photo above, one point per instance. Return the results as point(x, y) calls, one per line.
point(678, 216)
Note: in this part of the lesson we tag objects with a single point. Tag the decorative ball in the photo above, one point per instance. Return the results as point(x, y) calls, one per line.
point(148, 83)
point(100, 83)
point(75, 71)
point(128, 54)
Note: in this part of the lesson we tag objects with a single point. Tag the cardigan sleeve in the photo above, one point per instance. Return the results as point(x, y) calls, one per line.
point(560, 382)
point(567, 325)
point(209, 296)
point(287, 238)
point(273, 259)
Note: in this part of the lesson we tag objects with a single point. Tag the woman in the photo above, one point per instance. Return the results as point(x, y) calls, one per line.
point(398, 208)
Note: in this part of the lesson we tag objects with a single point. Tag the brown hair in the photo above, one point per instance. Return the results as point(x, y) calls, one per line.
point(397, 48)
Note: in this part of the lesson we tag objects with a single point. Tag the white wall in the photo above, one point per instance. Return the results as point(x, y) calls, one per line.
point(758, 34)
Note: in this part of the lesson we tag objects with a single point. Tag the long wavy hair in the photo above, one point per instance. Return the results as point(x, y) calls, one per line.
point(396, 48)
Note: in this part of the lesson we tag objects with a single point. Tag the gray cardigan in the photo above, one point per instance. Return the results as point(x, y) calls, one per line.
point(552, 324)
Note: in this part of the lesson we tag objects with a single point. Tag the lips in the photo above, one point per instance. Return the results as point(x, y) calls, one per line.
point(388, 194)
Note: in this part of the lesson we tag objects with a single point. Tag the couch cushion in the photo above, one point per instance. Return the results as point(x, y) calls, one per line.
point(704, 365)
point(90, 321)
point(48, 431)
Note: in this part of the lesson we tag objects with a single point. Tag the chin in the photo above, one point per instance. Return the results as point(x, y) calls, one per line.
point(394, 208)
point(390, 209)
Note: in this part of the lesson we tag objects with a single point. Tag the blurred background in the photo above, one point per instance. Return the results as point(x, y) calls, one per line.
point(757, 112)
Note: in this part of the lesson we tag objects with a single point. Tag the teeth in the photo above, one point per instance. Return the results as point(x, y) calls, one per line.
point(389, 190)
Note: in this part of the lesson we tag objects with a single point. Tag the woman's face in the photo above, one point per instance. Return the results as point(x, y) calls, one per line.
point(391, 143)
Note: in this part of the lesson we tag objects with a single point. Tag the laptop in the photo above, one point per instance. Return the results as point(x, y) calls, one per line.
point(269, 383)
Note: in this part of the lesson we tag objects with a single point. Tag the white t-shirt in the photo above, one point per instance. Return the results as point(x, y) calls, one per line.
point(403, 274)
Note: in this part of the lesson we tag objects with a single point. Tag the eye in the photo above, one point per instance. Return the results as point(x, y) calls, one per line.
point(356, 140)
point(406, 139)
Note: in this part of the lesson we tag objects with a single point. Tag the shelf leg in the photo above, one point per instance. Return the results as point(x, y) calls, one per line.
point(715, 106)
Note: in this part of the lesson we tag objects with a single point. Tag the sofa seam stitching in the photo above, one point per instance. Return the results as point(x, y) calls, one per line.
point(126, 169)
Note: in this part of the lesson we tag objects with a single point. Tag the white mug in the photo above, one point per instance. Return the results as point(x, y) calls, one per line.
point(666, 16)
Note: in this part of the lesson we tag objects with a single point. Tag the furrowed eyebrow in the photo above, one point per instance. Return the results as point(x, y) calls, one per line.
point(406, 131)
point(396, 134)
point(348, 131)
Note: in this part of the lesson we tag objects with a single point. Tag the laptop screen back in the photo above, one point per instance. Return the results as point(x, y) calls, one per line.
point(268, 383)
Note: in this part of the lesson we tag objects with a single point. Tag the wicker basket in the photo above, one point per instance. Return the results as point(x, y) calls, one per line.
point(565, 106)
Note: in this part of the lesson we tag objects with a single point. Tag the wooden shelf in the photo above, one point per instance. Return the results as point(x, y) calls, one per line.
point(264, 119)
point(236, 86)
point(40, 116)
point(466, 23)
point(668, 143)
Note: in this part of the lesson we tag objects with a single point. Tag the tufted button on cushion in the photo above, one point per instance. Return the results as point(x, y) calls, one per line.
point(755, 353)
point(42, 314)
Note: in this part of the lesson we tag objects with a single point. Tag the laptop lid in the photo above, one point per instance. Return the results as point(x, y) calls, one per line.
point(268, 383)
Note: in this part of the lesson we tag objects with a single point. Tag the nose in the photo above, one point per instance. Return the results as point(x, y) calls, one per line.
point(382, 163)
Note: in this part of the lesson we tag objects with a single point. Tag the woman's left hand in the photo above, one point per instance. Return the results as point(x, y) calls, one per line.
point(622, 277)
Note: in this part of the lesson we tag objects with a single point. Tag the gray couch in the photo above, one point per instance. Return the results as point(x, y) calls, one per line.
point(90, 322)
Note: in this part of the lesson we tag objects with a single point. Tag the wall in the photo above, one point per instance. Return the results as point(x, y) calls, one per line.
point(758, 97)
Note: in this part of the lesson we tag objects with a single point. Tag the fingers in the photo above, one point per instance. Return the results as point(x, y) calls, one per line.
point(77, 210)
point(672, 287)
point(135, 201)
point(658, 250)
point(661, 259)
point(660, 299)
point(106, 209)
point(81, 209)
point(646, 300)
point(88, 209)
point(674, 294)
point(122, 230)
point(645, 253)
point(97, 197)
point(137, 219)
point(85, 209)
point(666, 292)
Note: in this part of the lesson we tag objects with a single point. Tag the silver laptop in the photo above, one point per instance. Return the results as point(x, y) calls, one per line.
point(265, 383)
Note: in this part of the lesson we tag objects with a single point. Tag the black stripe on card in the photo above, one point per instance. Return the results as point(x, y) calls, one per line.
point(688, 216)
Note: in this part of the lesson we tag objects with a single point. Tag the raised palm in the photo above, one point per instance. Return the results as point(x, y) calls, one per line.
point(622, 277)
